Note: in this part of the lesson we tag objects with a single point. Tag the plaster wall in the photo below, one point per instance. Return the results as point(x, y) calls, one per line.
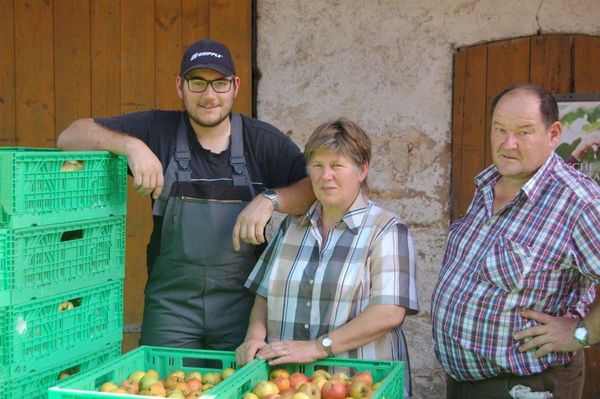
point(387, 64)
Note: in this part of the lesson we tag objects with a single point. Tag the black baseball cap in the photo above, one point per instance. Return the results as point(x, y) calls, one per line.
point(207, 54)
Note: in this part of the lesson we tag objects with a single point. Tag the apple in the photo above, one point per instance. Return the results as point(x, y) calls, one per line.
point(66, 305)
point(63, 375)
point(176, 393)
point(177, 374)
point(153, 372)
point(341, 377)
point(136, 375)
point(265, 388)
point(310, 389)
point(334, 389)
point(359, 389)
point(250, 395)
point(193, 375)
point(194, 395)
point(212, 378)
point(282, 383)
point(131, 386)
point(273, 396)
point(278, 372)
point(206, 387)
point(147, 380)
point(71, 166)
point(108, 387)
point(320, 373)
point(364, 376)
point(377, 385)
point(156, 389)
point(301, 395)
point(183, 387)
point(319, 380)
point(228, 372)
point(194, 385)
point(119, 391)
point(287, 393)
point(297, 378)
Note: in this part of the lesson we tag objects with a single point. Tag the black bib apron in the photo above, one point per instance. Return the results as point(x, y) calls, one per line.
point(195, 295)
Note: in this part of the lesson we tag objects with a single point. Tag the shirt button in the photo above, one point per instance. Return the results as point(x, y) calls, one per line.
point(306, 326)
point(311, 281)
point(308, 304)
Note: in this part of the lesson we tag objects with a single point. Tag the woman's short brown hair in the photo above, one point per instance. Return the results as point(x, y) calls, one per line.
point(343, 137)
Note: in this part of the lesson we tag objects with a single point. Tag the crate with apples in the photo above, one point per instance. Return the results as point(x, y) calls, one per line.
point(41, 261)
point(47, 331)
point(35, 383)
point(155, 371)
point(330, 378)
point(41, 186)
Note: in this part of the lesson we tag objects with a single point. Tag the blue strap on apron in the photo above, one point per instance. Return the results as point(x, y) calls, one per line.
point(180, 169)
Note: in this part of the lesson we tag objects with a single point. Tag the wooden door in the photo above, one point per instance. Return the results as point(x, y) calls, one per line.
point(559, 63)
point(68, 59)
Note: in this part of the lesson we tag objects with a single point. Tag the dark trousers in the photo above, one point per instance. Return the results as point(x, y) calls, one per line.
point(564, 382)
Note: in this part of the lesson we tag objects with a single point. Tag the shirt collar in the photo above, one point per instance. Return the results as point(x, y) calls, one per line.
point(352, 218)
point(532, 187)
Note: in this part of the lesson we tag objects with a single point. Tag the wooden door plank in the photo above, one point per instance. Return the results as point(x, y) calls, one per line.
point(474, 132)
point(72, 61)
point(8, 132)
point(34, 73)
point(231, 23)
point(168, 28)
point(458, 98)
point(137, 94)
point(550, 65)
point(137, 55)
point(508, 63)
point(105, 20)
point(195, 24)
point(586, 59)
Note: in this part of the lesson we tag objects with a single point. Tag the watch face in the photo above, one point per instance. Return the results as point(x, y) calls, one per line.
point(327, 342)
point(580, 333)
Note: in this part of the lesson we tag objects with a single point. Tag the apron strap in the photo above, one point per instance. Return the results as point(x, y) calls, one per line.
point(177, 169)
point(240, 177)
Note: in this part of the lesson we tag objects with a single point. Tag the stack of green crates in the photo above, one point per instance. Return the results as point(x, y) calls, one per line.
point(62, 257)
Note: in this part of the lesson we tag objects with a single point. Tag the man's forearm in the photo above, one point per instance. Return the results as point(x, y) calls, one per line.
point(86, 135)
point(592, 320)
point(295, 199)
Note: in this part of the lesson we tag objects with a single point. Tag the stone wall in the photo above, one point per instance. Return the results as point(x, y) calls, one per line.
point(387, 64)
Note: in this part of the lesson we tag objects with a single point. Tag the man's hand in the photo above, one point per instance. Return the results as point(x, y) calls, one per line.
point(554, 335)
point(250, 224)
point(283, 352)
point(247, 350)
point(146, 169)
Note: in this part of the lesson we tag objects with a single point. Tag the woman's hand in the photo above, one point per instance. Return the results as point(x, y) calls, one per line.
point(247, 350)
point(283, 352)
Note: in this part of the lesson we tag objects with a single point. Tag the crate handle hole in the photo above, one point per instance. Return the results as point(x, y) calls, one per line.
point(66, 373)
point(69, 304)
point(71, 235)
point(72, 166)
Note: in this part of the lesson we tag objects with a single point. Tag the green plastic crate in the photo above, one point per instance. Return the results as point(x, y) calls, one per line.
point(38, 335)
point(35, 191)
point(391, 374)
point(163, 360)
point(37, 262)
point(35, 384)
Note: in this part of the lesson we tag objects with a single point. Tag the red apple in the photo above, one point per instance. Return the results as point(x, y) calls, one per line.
point(282, 383)
point(364, 376)
point(334, 389)
point(297, 378)
point(194, 385)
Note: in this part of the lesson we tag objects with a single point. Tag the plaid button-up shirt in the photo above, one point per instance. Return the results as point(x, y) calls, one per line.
point(316, 284)
point(541, 252)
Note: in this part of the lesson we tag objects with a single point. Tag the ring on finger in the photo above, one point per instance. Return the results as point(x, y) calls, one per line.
point(285, 352)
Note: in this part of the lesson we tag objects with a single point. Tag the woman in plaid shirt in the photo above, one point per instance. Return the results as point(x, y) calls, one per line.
point(339, 279)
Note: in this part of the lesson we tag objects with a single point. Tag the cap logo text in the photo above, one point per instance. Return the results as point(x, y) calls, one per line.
point(205, 53)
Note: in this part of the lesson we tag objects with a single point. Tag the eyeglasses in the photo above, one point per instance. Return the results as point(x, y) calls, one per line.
point(197, 85)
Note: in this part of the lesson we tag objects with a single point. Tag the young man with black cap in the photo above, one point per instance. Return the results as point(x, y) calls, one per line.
point(211, 174)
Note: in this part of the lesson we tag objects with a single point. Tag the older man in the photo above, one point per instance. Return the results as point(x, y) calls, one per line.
point(512, 299)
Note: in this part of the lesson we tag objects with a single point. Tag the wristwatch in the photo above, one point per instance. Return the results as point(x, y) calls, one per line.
point(326, 343)
point(272, 196)
point(581, 334)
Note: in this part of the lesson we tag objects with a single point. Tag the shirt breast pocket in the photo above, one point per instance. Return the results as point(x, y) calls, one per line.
point(506, 264)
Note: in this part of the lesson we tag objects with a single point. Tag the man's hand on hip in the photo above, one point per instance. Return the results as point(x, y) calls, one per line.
point(146, 169)
point(555, 334)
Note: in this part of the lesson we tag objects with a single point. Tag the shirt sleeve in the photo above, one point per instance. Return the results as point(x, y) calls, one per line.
point(585, 240)
point(393, 269)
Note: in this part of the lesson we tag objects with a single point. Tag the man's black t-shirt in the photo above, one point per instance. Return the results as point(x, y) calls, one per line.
point(273, 159)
